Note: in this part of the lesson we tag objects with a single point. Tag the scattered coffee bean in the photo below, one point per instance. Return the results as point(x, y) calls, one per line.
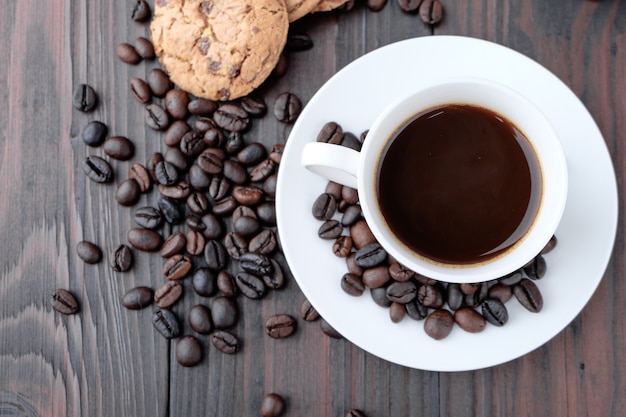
point(469, 320)
point(94, 133)
point(122, 259)
point(402, 292)
point(226, 284)
point(342, 246)
point(280, 326)
point(141, 11)
point(200, 319)
point(159, 82)
point(370, 255)
point(224, 312)
point(352, 284)
point(195, 242)
point(148, 217)
point(138, 298)
point(379, 296)
point(98, 169)
point(361, 234)
point(264, 242)
point(174, 244)
point(431, 11)
point(495, 312)
point(276, 278)
point(225, 342)
point(172, 212)
point(330, 229)
point(203, 282)
point(409, 6)
point(416, 310)
point(128, 192)
point(272, 405)
point(331, 132)
point(144, 239)
point(231, 117)
point(375, 5)
point(528, 295)
point(119, 147)
point(376, 277)
point(89, 252)
point(328, 330)
point(177, 267)
point(140, 90)
point(167, 294)
point(397, 312)
point(127, 54)
point(308, 312)
point(536, 269)
point(255, 263)
point(298, 41)
point(166, 323)
point(215, 255)
point(235, 244)
point(144, 48)
point(176, 102)
point(287, 107)
point(64, 302)
point(188, 351)
point(201, 107)
point(84, 98)
point(250, 285)
point(248, 195)
point(254, 105)
point(438, 324)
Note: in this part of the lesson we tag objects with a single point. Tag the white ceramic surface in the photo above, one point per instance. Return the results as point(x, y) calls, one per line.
point(353, 98)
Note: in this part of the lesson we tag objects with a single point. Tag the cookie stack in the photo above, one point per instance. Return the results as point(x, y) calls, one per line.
point(224, 49)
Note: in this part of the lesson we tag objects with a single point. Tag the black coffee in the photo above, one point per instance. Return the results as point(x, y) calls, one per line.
point(458, 184)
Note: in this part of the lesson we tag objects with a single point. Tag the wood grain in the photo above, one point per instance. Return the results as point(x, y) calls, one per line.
point(109, 361)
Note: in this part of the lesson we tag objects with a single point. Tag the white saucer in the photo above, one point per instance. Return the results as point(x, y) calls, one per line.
point(353, 98)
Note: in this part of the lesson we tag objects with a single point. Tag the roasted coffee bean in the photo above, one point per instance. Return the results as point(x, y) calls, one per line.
point(334, 189)
point(423, 279)
point(469, 288)
point(353, 268)
point(409, 6)
point(235, 172)
point(501, 292)
point(201, 107)
point(379, 295)
point(248, 195)
point(475, 299)
point(166, 323)
point(148, 217)
point(347, 6)
point(144, 48)
point(174, 134)
point(550, 245)
point(431, 11)
point(177, 267)
point(141, 11)
point(250, 285)
point(215, 255)
point(167, 294)
point(266, 212)
point(235, 244)
point(324, 207)
point(242, 211)
point(262, 171)
point(281, 66)
point(203, 124)
point(195, 223)
point(402, 292)
point(351, 141)
point(200, 319)
point(213, 226)
point(298, 41)
point(349, 195)
point(252, 154)
point(234, 143)
point(399, 272)
point(198, 179)
point(122, 259)
point(512, 278)
point(355, 412)
point(172, 212)
point(276, 153)
point(127, 54)
point(225, 342)
point(225, 206)
point(156, 117)
point(195, 242)
point(219, 187)
point(224, 312)
point(119, 147)
point(431, 295)
point(173, 245)
point(352, 284)
point(454, 296)
point(276, 278)
point(64, 302)
point(264, 242)
point(351, 215)
point(84, 98)
point(88, 252)
point(416, 310)
point(214, 137)
point(128, 192)
point(97, 169)
point(536, 269)
point(280, 326)
point(178, 191)
point(438, 324)
point(203, 282)
point(144, 239)
point(328, 330)
point(176, 102)
point(370, 255)
point(159, 82)
point(331, 132)
point(269, 185)
point(140, 174)
point(361, 234)
point(397, 312)
point(231, 117)
point(528, 295)
point(376, 277)
point(138, 298)
point(140, 90)
point(192, 143)
point(94, 133)
point(375, 5)
point(210, 162)
point(154, 159)
point(273, 405)
point(469, 320)
point(255, 263)
point(254, 105)
point(188, 351)
point(308, 312)
point(330, 229)
point(226, 284)
point(287, 107)
point(246, 226)
point(176, 157)
point(342, 246)
point(495, 312)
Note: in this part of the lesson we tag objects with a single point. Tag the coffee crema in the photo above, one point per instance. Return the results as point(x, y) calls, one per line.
point(458, 184)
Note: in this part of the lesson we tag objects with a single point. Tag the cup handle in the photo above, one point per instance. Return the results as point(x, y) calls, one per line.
point(334, 162)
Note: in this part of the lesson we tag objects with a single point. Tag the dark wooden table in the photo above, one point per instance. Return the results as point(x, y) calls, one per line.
point(108, 361)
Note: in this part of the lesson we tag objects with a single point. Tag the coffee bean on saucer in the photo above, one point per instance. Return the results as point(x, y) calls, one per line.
point(324, 207)
point(438, 324)
point(469, 320)
point(495, 312)
point(536, 269)
point(528, 295)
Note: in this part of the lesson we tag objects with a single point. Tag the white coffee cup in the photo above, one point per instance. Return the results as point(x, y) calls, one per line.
point(360, 169)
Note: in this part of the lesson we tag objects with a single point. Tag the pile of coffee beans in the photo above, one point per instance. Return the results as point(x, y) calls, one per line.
point(404, 292)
